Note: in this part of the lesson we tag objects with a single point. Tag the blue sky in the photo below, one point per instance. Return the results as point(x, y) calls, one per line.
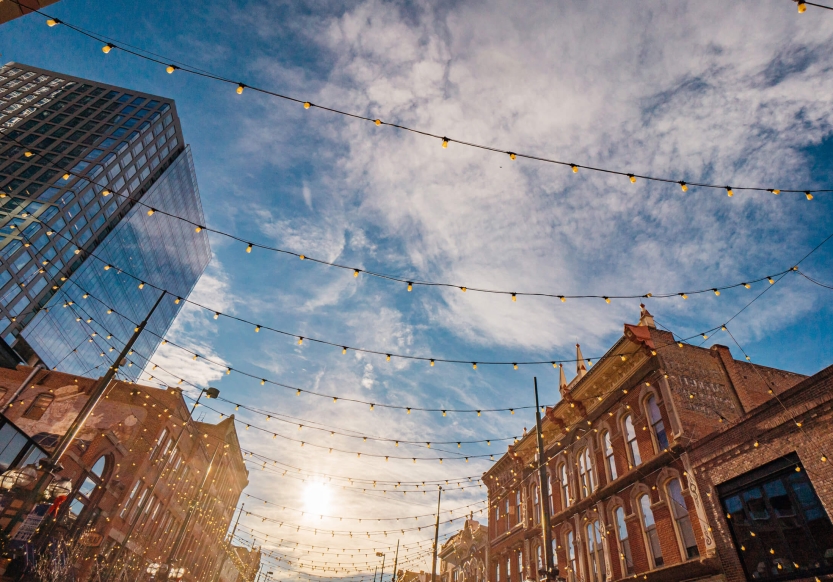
point(735, 93)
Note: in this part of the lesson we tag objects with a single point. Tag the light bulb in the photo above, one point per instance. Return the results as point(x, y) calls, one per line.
point(445, 142)
point(216, 314)
point(512, 156)
point(355, 272)
point(106, 267)
point(52, 22)
point(387, 357)
point(249, 248)
point(300, 341)
point(198, 229)
point(747, 285)
point(28, 154)
point(808, 195)
point(705, 337)
point(107, 48)
point(240, 88)
point(432, 363)
point(683, 186)
point(410, 286)
point(151, 211)
point(716, 292)
point(478, 413)
point(66, 176)
point(729, 191)
point(771, 280)
point(257, 328)
point(683, 295)
point(371, 406)
point(802, 7)
point(142, 285)
point(170, 69)
point(177, 300)
point(607, 299)
point(463, 289)
point(632, 178)
point(575, 168)
point(474, 365)
point(307, 104)
point(343, 350)
point(378, 122)
point(262, 382)
point(680, 344)
point(409, 412)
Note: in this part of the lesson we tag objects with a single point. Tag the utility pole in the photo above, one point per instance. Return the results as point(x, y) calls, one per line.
point(436, 535)
point(395, 562)
point(551, 573)
point(51, 465)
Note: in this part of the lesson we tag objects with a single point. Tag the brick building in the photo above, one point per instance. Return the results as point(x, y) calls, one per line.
point(464, 556)
point(621, 449)
point(133, 436)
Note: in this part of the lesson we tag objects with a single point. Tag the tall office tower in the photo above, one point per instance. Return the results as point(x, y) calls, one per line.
point(81, 261)
point(10, 10)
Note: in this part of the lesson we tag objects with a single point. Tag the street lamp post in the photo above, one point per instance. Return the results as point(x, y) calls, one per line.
point(382, 575)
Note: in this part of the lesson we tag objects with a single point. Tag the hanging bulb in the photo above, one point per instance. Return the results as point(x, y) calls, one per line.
point(216, 314)
point(680, 344)
point(515, 366)
point(142, 285)
point(307, 104)
point(257, 328)
point(432, 363)
point(716, 292)
point(52, 22)
point(378, 122)
point(355, 272)
point(198, 229)
point(262, 382)
point(512, 156)
point(729, 191)
point(632, 178)
point(683, 186)
point(575, 168)
point(775, 191)
point(808, 195)
point(372, 406)
point(300, 341)
point(474, 365)
point(387, 357)
point(344, 350)
point(177, 300)
point(151, 211)
point(249, 248)
point(478, 413)
point(705, 337)
point(771, 280)
point(445, 142)
point(106, 267)
point(683, 295)
point(463, 289)
point(563, 299)
point(514, 297)
point(409, 412)
point(66, 176)
point(607, 299)
point(802, 7)
point(107, 48)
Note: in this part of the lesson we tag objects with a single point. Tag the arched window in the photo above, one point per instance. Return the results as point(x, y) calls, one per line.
point(536, 504)
point(554, 552)
point(624, 544)
point(38, 406)
point(650, 528)
point(497, 572)
point(595, 555)
point(585, 473)
point(540, 554)
point(633, 446)
point(552, 494)
point(520, 566)
point(93, 479)
point(655, 417)
point(508, 569)
point(680, 512)
point(565, 485)
point(609, 458)
point(572, 568)
point(506, 524)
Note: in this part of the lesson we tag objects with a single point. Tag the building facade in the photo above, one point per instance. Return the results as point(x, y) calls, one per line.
point(81, 166)
point(12, 10)
point(623, 450)
point(465, 555)
point(149, 485)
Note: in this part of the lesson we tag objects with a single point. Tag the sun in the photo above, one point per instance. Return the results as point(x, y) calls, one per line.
point(317, 497)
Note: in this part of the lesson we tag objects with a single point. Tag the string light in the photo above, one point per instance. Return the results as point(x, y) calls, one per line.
point(802, 6)
point(683, 186)
point(729, 191)
point(445, 142)
point(151, 211)
point(249, 248)
point(107, 48)
point(240, 87)
point(170, 69)
point(52, 22)
point(632, 178)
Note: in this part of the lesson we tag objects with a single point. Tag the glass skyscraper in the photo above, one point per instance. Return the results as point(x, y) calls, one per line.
point(75, 156)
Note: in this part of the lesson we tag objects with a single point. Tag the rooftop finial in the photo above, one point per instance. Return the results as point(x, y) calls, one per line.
point(645, 318)
point(581, 366)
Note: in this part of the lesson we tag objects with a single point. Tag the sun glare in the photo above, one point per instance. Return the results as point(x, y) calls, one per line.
point(317, 498)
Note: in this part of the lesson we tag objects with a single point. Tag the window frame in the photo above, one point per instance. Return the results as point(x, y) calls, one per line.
point(29, 414)
point(623, 543)
point(596, 554)
point(680, 520)
point(654, 423)
point(609, 455)
point(650, 532)
point(631, 444)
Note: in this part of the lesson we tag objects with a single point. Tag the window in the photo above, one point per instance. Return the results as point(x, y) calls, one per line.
point(129, 500)
point(84, 494)
point(518, 517)
point(609, 458)
point(595, 555)
point(520, 566)
point(39, 406)
point(552, 494)
point(657, 426)
point(506, 512)
point(585, 473)
point(780, 529)
point(565, 485)
point(159, 442)
point(536, 504)
point(508, 569)
point(633, 446)
point(540, 556)
point(624, 544)
point(680, 512)
point(572, 570)
point(650, 527)
point(497, 573)
point(554, 552)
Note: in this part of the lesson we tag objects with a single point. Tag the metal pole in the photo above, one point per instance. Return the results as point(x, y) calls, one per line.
point(436, 536)
point(382, 574)
point(192, 507)
point(22, 387)
point(100, 387)
point(545, 494)
point(375, 570)
point(395, 562)
point(152, 488)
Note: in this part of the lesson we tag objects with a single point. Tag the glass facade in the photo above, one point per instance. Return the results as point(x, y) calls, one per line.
point(75, 155)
